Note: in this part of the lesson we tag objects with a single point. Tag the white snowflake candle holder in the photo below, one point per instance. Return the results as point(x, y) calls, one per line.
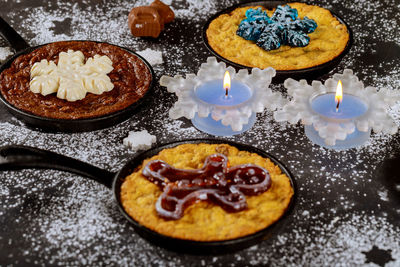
point(216, 110)
point(338, 126)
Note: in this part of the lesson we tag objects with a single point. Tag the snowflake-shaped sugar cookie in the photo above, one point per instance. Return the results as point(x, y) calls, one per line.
point(375, 118)
point(71, 78)
point(139, 140)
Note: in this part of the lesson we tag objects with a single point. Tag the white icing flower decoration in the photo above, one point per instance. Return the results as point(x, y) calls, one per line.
point(188, 105)
point(376, 117)
point(71, 79)
point(139, 140)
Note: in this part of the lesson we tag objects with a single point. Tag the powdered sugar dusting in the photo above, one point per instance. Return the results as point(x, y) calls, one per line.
point(344, 207)
point(341, 243)
point(5, 52)
point(152, 56)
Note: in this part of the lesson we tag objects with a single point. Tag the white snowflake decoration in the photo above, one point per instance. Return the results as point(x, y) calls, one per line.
point(72, 78)
point(139, 140)
point(376, 117)
point(188, 104)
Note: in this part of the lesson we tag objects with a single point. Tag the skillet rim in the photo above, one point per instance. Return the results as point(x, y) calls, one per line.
point(281, 75)
point(202, 247)
point(78, 125)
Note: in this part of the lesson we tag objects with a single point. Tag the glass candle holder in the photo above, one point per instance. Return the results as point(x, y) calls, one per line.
point(212, 93)
point(202, 97)
point(351, 108)
point(338, 126)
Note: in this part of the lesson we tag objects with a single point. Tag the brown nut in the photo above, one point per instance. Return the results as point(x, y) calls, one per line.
point(145, 21)
point(164, 10)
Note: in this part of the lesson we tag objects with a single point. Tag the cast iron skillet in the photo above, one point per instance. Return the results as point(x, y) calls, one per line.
point(15, 157)
point(281, 75)
point(63, 125)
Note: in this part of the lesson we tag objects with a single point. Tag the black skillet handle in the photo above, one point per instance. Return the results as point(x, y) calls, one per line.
point(15, 40)
point(17, 157)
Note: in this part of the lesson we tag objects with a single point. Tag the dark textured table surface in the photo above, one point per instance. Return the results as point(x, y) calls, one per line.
point(347, 211)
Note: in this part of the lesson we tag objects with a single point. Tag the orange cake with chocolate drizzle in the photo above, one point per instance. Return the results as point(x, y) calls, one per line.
point(256, 194)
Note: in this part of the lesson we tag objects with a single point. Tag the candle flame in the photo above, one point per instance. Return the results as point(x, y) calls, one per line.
point(339, 95)
point(227, 82)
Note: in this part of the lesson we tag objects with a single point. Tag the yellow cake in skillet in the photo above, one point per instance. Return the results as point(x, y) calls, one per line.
point(204, 220)
point(326, 43)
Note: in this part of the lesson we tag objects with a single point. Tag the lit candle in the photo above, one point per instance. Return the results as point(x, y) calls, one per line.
point(227, 96)
point(342, 120)
point(331, 105)
point(218, 104)
point(337, 110)
point(339, 95)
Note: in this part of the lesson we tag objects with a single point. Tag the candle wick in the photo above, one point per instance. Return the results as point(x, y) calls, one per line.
point(226, 92)
point(337, 106)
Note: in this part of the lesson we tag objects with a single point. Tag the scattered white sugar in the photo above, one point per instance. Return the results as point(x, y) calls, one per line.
point(154, 57)
point(5, 52)
point(195, 9)
point(383, 195)
point(64, 20)
point(341, 242)
point(87, 146)
point(68, 220)
point(109, 24)
point(306, 213)
point(139, 140)
point(80, 223)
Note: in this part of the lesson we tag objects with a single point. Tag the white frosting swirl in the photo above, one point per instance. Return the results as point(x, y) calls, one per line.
point(71, 78)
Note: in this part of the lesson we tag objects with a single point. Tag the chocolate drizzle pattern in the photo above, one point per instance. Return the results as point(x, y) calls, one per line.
point(223, 185)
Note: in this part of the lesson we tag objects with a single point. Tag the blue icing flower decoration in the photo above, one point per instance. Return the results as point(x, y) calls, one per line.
point(309, 25)
point(306, 25)
point(297, 39)
point(268, 41)
point(284, 13)
point(254, 24)
point(251, 30)
point(257, 15)
point(283, 28)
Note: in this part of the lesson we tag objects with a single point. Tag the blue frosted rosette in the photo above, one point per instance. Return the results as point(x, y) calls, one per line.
point(283, 28)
